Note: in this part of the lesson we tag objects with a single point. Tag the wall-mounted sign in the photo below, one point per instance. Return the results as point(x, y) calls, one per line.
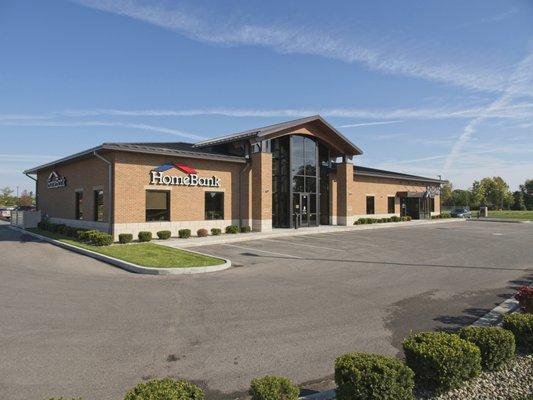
point(56, 181)
point(157, 177)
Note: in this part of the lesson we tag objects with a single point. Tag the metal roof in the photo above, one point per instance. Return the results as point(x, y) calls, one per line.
point(380, 173)
point(267, 130)
point(171, 149)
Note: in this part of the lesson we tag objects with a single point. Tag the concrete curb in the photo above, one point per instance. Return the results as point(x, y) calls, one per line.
point(130, 266)
point(494, 316)
point(243, 237)
point(509, 221)
point(325, 395)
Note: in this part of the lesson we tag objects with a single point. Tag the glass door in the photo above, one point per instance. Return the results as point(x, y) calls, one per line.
point(301, 207)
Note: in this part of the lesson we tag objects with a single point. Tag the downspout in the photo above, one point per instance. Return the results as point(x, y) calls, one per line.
point(109, 190)
point(36, 187)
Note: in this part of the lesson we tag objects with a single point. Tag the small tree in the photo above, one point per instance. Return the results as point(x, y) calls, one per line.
point(6, 196)
point(26, 199)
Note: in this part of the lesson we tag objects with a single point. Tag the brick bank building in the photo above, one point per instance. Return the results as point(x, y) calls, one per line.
point(294, 173)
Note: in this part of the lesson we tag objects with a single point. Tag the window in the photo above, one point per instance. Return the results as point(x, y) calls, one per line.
point(432, 204)
point(157, 205)
point(79, 205)
point(370, 204)
point(214, 205)
point(99, 205)
point(390, 204)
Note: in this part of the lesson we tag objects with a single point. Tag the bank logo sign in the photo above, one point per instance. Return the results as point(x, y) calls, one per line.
point(56, 181)
point(158, 177)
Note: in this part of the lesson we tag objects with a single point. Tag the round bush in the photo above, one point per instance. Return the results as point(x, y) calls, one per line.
point(273, 388)
point(358, 222)
point(497, 345)
point(144, 236)
point(81, 234)
point(202, 232)
point(184, 233)
point(164, 235)
point(98, 238)
point(232, 229)
point(440, 360)
point(216, 231)
point(165, 389)
point(124, 238)
point(246, 229)
point(521, 325)
point(61, 229)
point(361, 376)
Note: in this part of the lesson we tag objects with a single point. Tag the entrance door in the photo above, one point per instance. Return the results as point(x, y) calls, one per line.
point(301, 208)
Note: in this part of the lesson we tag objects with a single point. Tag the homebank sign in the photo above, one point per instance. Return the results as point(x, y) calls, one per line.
point(157, 177)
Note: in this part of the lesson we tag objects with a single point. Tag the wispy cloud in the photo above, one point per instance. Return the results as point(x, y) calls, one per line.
point(370, 124)
point(391, 57)
point(523, 76)
point(520, 110)
point(142, 127)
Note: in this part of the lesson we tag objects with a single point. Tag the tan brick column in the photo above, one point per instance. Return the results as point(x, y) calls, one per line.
point(262, 192)
point(345, 186)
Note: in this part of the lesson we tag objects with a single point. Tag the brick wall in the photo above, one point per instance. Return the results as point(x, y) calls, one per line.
point(86, 175)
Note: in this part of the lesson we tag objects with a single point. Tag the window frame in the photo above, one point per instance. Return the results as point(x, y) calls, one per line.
point(393, 204)
point(373, 205)
point(206, 216)
point(78, 207)
point(168, 208)
point(97, 193)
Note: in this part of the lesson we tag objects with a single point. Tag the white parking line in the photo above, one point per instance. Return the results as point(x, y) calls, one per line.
point(302, 244)
point(262, 251)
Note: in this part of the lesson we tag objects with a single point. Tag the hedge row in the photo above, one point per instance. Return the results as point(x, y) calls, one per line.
point(441, 216)
point(394, 218)
point(434, 360)
point(93, 237)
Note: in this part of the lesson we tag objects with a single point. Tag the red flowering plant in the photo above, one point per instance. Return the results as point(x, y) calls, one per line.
point(525, 298)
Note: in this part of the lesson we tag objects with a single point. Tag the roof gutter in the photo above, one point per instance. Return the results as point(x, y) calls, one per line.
point(110, 216)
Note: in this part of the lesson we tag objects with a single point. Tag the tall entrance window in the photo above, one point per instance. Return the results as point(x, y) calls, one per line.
point(370, 204)
point(79, 204)
point(300, 181)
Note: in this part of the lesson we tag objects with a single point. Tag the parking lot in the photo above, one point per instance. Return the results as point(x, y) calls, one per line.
point(73, 326)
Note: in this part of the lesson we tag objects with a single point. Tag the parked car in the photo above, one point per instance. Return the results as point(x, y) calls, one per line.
point(461, 213)
point(25, 208)
point(5, 212)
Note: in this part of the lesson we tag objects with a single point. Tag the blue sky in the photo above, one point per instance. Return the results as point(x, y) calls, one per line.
point(424, 87)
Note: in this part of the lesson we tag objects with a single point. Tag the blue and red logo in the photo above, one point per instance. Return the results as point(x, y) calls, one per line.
point(181, 167)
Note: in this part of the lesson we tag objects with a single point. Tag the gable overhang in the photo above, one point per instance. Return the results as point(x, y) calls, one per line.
point(317, 126)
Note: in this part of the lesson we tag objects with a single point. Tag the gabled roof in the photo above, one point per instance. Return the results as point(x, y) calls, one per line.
point(258, 133)
point(381, 173)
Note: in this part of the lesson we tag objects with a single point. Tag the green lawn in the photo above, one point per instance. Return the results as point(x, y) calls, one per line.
point(527, 215)
point(144, 254)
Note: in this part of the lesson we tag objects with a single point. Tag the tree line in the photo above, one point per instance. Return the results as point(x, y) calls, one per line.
point(8, 198)
point(493, 193)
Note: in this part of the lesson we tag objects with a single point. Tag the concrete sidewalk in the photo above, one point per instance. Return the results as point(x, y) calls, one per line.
point(285, 232)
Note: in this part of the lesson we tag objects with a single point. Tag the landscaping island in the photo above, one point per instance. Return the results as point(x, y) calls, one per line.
point(144, 254)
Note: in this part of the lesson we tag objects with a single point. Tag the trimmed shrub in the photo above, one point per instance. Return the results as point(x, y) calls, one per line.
point(216, 231)
point(184, 233)
point(165, 389)
point(202, 232)
point(273, 388)
point(372, 377)
point(144, 236)
point(246, 229)
point(232, 229)
point(43, 225)
point(61, 229)
point(164, 235)
point(71, 231)
point(440, 360)
point(124, 238)
point(395, 218)
point(497, 345)
point(521, 325)
point(445, 215)
point(82, 234)
point(358, 222)
point(98, 238)
point(408, 218)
